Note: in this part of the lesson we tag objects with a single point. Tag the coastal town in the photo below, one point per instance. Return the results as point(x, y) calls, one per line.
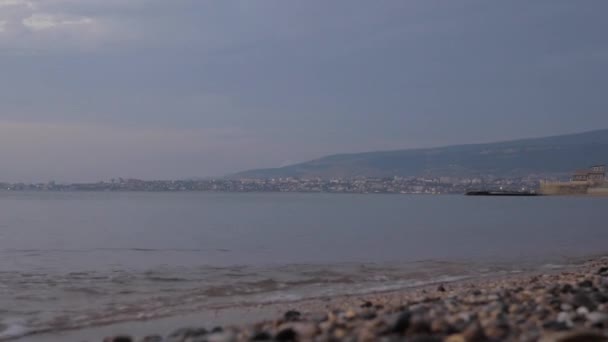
point(360, 185)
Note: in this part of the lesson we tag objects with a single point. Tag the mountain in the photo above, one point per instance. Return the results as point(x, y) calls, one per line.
point(555, 155)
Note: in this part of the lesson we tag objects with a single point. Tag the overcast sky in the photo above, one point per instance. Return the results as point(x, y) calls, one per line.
point(96, 89)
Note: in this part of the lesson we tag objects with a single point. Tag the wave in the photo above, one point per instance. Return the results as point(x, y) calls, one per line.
point(55, 302)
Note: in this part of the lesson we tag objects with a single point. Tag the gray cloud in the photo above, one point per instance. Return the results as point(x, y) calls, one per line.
point(290, 80)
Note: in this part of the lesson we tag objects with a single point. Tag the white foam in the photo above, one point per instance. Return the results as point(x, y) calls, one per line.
point(12, 329)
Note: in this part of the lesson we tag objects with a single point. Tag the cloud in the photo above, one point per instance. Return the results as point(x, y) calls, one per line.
point(50, 25)
point(17, 3)
point(43, 21)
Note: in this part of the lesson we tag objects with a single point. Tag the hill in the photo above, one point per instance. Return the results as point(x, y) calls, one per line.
point(555, 155)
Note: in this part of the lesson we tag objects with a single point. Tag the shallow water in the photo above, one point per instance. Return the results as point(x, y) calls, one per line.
point(80, 259)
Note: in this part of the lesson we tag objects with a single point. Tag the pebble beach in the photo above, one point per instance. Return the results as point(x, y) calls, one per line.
point(569, 304)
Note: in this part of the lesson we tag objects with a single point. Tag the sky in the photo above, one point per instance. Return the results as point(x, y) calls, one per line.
point(154, 89)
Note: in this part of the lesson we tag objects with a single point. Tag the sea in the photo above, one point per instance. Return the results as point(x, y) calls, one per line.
point(71, 260)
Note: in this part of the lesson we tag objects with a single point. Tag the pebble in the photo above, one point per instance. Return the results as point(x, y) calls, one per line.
point(286, 335)
point(575, 336)
point(261, 336)
point(402, 323)
point(224, 336)
point(598, 319)
point(570, 306)
point(120, 338)
point(292, 315)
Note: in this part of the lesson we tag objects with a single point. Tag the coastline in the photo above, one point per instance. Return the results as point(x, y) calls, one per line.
point(498, 307)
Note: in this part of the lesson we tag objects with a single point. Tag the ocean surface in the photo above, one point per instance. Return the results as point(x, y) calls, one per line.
point(70, 260)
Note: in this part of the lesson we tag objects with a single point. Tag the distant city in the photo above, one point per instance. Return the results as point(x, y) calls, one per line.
point(361, 185)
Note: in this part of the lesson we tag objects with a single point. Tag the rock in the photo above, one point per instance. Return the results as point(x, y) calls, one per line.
point(368, 315)
point(424, 338)
point(497, 331)
point(456, 338)
point(567, 288)
point(319, 317)
point(292, 315)
point(224, 336)
point(402, 323)
point(555, 326)
point(261, 336)
point(217, 329)
point(350, 315)
point(602, 270)
point(566, 318)
point(419, 326)
point(474, 333)
point(286, 335)
point(367, 305)
point(120, 338)
point(582, 311)
point(586, 283)
point(152, 338)
point(581, 299)
point(598, 319)
point(441, 288)
point(184, 333)
point(575, 336)
point(599, 297)
point(304, 330)
point(440, 326)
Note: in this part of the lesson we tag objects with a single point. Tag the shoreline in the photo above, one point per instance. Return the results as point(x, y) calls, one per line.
point(354, 312)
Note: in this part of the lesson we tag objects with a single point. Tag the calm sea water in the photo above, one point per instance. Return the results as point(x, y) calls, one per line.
point(80, 259)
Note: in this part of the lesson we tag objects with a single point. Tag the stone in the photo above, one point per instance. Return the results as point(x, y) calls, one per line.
point(302, 329)
point(474, 333)
point(152, 338)
point(286, 335)
point(456, 338)
point(292, 315)
point(441, 288)
point(567, 288)
point(497, 331)
point(188, 332)
point(261, 336)
point(367, 305)
point(602, 270)
point(440, 326)
point(575, 336)
point(402, 323)
point(555, 326)
point(598, 319)
point(120, 338)
point(350, 315)
point(581, 299)
point(586, 283)
point(419, 326)
point(368, 315)
point(599, 297)
point(424, 338)
point(566, 318)
point(582, 311)
point(224, 336)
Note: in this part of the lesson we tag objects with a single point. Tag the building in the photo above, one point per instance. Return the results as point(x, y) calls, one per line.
point(581, 182)
point(596, 173)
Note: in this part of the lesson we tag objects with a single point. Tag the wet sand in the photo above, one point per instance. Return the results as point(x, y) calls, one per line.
point(569, 304)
